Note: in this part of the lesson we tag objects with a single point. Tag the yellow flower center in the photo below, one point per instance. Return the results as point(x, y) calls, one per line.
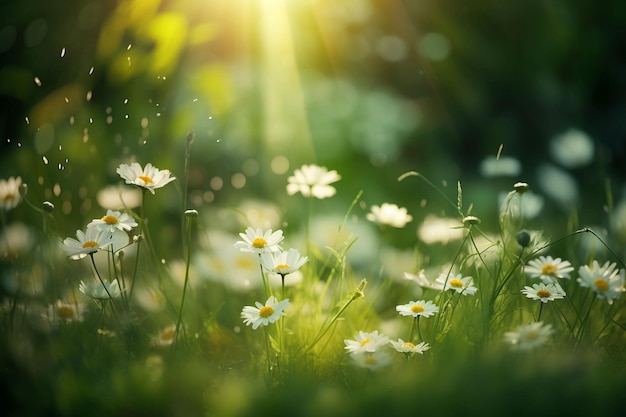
point(282, 266)
point(543, 293)
point(408, 344)
point(145, 178)
point(532, 335)
point(9, 197)
point(90, 244)
point(456, 283)
point(417, 309)
point(266, 311)
point(259, 243)
point(365, 341)
point(65, 312)
point(601, 285)
point(168, 334)
point(110, 220)
point(548, 269)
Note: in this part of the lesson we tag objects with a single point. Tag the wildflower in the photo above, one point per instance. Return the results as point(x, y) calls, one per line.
point(63, 311)
point(150, 299)
point(366, 342)
point(149, 177)
point(389, 215)
point(548, 269)
point(606, 281)
point(257, 241)
point(572, 148)
point(87, 243)
point(10, 195)
point(458, 283)
point(421, 280)
point(100, 290)
point(408, 347)
point(264, 314)
point(166, 336)
point(371, 360)
point(418, 308)
point(284, 263)
point(313, 180)
point(119, 197)
point(529, 336)
point(439, 230)
point(114, 220)
point(544, 292)
point(500, 167)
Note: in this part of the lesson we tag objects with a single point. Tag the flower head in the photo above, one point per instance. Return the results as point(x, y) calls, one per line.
point(313, 181)
point(100, 290)
point(529, 336)
point(264, 314)
point(284, 263)
point(257, 241)
point(389, 215)
point(421, 280)
point(408, 347)
point(605, 280)
point(10, 195)
point(114, 220)
point(366, 342)
point(371, 360)
point(548, 269)
point(544, 292)
point(166, 336)
point(459, 283)
point(87, 243)
point(418, 308)
point(149, 177)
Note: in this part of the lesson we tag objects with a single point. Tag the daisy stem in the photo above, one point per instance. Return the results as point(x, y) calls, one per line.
point(266, 286)
point(541, 303)
point(267, 350)
point(186, 283)
point(106, 289)
point(419, 329)
point(583, 324)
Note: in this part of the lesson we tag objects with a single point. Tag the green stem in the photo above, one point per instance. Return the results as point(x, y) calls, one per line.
point(186, 283)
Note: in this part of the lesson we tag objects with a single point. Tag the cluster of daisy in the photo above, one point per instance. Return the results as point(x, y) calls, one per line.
point(273, 260)
point(111, 232)
point(11, 191)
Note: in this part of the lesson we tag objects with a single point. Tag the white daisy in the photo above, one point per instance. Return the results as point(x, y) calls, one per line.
point(165, 336)
point(257, 241)
point(605, 280)
point(458, 283)
point(389, 215)
point(371, 360)
point(408, 347)
point(418, 308)
point(548, 269)
point(529, 336)
point(313, 181)
point(114, 220)
point(544, 292)
point(97, 290)
point(421, 280)
point(366, 342)
point(264, 314)
point(284, 263)
point(63, 311)
point(87, 243)
point(10, 195)
point(149, 177)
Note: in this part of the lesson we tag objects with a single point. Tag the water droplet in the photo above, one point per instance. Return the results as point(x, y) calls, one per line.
point(19, 144)
point(158, 114)
point(129, 64)
point(126, 116)
point(27, 120)
point(129, 46)
point(67, 100)
point(91, 70)
point(210, 117)
point(60, 147)
point(88, 96)
point(218, 141)
point(163, 261)
point(72, 120)
point(38, 81)
point(195, 100)
point(90, 120)
point(45, 160)
point(60, 167)
point(62, 52)
point(125, 101)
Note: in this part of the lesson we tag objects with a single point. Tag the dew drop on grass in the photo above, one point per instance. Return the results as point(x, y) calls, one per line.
point(91, 70)
point(45, 160)
point(125, 101)
point(62, 52)
point(38, 81)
